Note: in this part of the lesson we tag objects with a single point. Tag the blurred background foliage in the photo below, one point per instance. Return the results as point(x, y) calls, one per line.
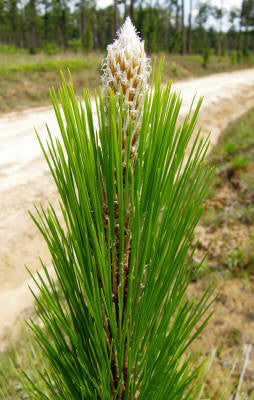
point(176, 26)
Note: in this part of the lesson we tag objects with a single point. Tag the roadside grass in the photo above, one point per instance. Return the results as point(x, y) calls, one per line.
point(226, 238)
point(25, 78)
point(188, 66)
point(22, 353)
point(237, 139)
point(7, 49)
point(23, 356)
point(227, 224)
point(47, 65)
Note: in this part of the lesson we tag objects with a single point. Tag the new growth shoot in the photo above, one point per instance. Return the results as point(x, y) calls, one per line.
point(126, 72)
point(118, 324)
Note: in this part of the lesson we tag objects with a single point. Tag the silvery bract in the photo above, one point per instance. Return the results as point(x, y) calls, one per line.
point(127, 69)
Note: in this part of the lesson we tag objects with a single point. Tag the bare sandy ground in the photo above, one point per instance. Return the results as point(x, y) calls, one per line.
point(25, 180)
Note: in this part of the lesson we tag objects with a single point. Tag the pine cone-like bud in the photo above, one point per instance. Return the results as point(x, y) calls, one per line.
point(128, 69)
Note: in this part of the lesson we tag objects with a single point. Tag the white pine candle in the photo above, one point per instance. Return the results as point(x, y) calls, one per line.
point(127, 68)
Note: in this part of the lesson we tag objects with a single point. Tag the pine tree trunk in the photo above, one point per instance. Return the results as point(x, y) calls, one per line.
point(219, 43)
point(125, 9)
point(115, 16)
point(132, 10)
point(220, 31)
point(64, 33)
point(45, 20)
point(82, 20)
point(240, 30)
point(183, 31)
point(190, 28)
point(177, 15)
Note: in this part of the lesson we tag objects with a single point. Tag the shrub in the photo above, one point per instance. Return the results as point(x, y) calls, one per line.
point(247, 214)
point(206, 57)
point(32, 50)
point(88, 39)
point(10, 49)
point(230, 147)
point(246, 53)
point(235, 259)
point(239, 57)
point(240, 162)
point(174, 70)
point(75, 45)
point(233, 57)
point(50, 48)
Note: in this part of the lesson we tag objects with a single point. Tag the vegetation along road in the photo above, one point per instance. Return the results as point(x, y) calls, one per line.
point(25, 180)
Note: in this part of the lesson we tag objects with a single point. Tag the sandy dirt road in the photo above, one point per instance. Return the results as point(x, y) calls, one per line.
point(25, 180)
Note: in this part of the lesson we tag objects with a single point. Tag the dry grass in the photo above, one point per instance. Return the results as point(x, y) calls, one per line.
point(226, 233)
point(25, 79)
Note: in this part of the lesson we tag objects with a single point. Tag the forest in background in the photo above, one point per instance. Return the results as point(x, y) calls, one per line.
point(54, 25)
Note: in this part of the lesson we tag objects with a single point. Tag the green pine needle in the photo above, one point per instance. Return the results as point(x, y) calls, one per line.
point(117, 323)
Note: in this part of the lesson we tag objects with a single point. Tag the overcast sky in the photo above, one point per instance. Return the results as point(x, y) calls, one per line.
point(227, 4)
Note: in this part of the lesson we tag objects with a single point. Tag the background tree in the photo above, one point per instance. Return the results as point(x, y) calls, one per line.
point(132, 3)
point(3, 22)
point(190, 27)
point(247, 21)
point(183, 29)
point(204, 10)
point(218, 13)
point(116, 25)
point(82, 17)
point(60, 16)
point(46, 4)
point(177, 14)
point(32, 25)
point(87, 39)
point(13, 17)
point(174, 43)
point(54, 24)
point(234, 15)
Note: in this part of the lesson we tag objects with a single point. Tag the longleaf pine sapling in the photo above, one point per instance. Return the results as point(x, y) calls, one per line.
point(117, 322)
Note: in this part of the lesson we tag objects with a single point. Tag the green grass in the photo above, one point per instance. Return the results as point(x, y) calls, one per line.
point(239, 162)
point(237, 139)
point(227, 227)
point(48, 65)
point(230, 197)
point(22, 353)
point(25, 78)
point(6, 49)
